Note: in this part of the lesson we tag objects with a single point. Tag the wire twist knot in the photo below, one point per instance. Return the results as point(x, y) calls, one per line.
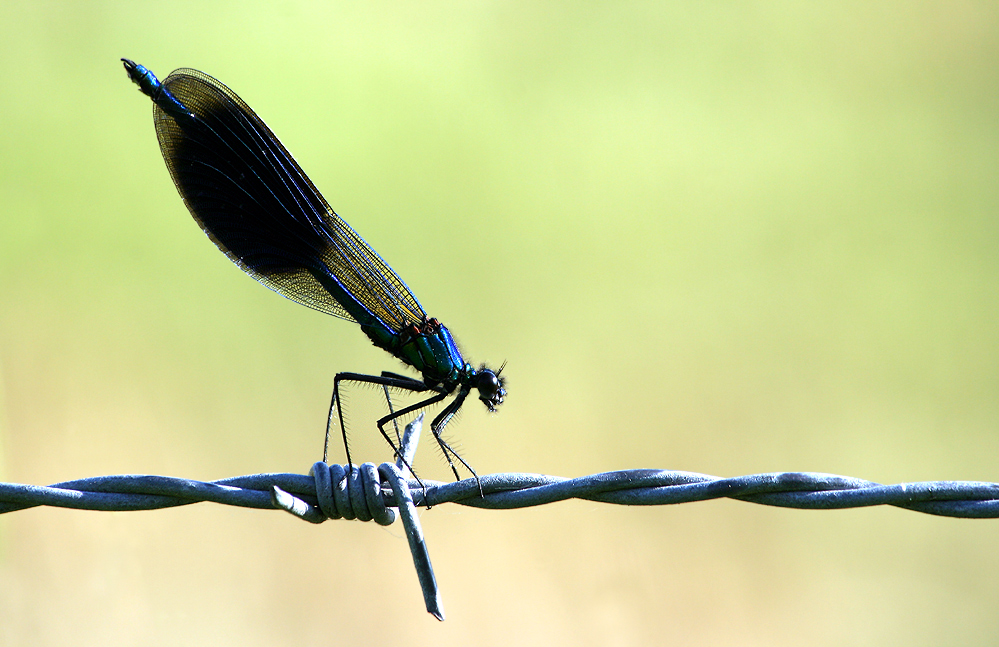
point(358, 496)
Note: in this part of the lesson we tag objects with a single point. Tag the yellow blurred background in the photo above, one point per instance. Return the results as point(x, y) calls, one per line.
point(723, 238)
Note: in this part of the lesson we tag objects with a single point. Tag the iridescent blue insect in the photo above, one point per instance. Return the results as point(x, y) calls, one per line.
point(255, 202)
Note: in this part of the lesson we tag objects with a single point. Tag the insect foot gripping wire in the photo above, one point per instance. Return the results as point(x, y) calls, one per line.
point(362, 495)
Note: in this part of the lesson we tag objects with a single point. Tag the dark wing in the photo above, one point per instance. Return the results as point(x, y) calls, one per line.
point(255, 202)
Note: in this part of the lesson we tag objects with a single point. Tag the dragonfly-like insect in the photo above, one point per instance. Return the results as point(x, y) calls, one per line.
point(257, 205)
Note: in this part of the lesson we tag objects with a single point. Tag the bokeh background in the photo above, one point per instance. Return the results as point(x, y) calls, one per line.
point(723, 238)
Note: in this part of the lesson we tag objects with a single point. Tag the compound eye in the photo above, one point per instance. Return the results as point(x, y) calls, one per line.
point(488, 385)
point(490, 388)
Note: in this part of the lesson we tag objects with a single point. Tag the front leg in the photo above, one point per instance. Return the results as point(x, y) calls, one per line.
point(398, 414)
point(437, 426)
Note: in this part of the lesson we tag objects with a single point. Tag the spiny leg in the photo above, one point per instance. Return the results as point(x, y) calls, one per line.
point(385, 381)
point(437, 426)
point(417, 386)
point(434, 399)
point(395, 422)
point(404, 378)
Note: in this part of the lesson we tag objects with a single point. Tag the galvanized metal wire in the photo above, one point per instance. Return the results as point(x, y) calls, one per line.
point(378, 494)
point(805, 490)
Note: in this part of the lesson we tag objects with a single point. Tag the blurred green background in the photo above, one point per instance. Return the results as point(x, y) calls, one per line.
point(716, 237)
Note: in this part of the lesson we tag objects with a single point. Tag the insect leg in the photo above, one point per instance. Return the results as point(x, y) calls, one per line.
point(395, 382)
point(437, 426)
point(434, 399)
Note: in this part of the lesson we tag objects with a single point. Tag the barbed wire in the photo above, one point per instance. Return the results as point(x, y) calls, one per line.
point(804, 490)
point(379, 494)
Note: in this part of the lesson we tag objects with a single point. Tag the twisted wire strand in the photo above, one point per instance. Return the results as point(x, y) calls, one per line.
point(804, 490)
